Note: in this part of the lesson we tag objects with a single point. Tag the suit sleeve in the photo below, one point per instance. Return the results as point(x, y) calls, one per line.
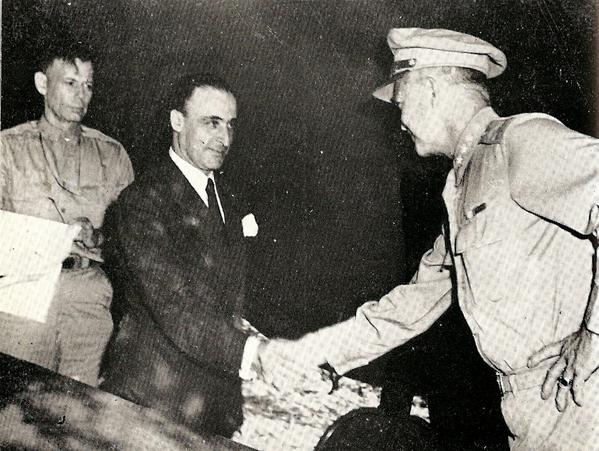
point(403, 313)
point(172, 289)
point(554, 173)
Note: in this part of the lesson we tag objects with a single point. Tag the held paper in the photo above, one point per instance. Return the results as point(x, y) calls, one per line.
point(31, 255)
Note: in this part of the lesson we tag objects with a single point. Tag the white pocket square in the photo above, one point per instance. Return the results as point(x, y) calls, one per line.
point(250, 226)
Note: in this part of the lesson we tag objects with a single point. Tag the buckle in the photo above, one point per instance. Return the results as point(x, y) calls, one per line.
point(402, 65)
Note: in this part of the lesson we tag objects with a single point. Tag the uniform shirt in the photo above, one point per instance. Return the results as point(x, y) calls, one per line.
point(50, 174)
point(523, 202)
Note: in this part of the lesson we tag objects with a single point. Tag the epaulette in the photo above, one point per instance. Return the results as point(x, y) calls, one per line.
point(497, 128)
point(26, 128)
point(96, 134)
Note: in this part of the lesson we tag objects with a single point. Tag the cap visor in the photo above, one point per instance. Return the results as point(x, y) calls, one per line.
point(384, 93)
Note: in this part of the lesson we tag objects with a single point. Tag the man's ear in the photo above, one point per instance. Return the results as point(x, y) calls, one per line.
point(432, 87)
point(177, 120)
point(41, 82)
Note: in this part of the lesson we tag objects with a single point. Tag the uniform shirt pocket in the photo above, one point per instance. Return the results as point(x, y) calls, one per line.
point(32, 197)
point(481, 244)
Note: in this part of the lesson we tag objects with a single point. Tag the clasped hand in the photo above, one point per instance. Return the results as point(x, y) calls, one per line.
point(88, 237)
point(286, 363)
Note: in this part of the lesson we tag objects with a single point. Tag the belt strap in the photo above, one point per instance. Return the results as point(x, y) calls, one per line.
point(513, 383)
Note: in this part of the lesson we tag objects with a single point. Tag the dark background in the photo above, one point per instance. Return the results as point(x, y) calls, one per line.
point(344, 204)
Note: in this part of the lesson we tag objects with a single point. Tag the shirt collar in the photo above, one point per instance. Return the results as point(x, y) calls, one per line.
point(54, 133)
point(197, 178)
point(469, 138)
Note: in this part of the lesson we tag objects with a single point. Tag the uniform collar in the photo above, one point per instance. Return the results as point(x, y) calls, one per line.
point(469, 138)
point(51, 132)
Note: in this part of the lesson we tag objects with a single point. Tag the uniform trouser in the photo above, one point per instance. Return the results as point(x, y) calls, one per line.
point(537, 425)
point(76, 332)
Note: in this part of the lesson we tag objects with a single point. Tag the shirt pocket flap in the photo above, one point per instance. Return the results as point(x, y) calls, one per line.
point(483, 244)
point(482, 230)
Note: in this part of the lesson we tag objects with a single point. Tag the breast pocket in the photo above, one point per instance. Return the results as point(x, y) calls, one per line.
point(32, 197)
point(484, 246)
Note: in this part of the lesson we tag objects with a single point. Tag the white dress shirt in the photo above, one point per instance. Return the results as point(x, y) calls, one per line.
point(197, 179)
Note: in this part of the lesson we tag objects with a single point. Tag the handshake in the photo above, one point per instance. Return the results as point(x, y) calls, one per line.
point(285, 364)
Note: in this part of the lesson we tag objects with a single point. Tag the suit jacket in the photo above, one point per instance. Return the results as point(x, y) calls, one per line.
point(177, 348)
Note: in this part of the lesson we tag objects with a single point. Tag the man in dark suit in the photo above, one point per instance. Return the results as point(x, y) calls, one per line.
point(180, 258)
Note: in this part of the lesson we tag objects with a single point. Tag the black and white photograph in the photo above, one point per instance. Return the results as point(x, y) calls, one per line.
point(294, 225)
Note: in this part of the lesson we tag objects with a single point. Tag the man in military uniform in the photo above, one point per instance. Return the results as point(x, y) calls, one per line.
point(57, 169)
point(523, 207)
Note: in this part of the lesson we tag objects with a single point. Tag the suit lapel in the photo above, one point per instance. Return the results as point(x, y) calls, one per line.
point(183, 208)
point(187, 212)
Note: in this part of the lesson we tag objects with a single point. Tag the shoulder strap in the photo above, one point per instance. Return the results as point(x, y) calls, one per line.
point(497, 128)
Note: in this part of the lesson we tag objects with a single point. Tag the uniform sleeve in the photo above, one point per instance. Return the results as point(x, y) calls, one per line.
point(554, 173)
point(3, 171)
point(378, 327)
point(124, 169)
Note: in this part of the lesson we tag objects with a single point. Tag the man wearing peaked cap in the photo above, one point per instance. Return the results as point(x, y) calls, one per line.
point(416, 48)
point(521, 241)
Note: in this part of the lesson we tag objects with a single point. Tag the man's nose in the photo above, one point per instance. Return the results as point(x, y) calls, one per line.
point(83, 93)
point(225, 135)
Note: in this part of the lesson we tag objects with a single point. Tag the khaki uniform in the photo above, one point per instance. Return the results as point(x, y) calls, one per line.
point(523, 203)
point(52, 175)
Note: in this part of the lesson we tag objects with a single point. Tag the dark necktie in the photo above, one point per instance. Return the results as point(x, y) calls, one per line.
point(213, 211)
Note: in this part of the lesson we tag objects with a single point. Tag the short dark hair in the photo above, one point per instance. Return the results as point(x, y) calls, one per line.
point(63, 49)
point(183, 87)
